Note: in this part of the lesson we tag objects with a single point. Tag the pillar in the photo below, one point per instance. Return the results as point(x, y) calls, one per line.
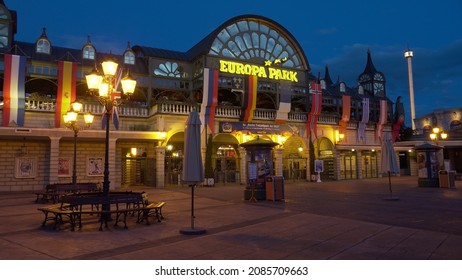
point(278, 161)
point(242, 166)
point(337, 174)
point(160, 167)
point(114, 177)
point(54, 159)
point(359, 164)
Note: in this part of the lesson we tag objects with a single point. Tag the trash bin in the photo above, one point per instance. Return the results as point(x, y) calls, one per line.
point(274, 188)
point(443, 176)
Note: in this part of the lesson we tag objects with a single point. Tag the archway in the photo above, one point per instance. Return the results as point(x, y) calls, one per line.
point(174, 159)
point(225, 155)
point(294, 159)
point(324, 150)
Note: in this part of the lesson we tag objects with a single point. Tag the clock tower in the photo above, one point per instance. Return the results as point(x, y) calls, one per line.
point(372, 81)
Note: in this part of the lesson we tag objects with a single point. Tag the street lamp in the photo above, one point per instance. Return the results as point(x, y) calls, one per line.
point(102, 86)
point(70, 120)
point(438, 134)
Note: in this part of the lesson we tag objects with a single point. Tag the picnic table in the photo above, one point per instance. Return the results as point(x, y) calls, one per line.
point(73, 207)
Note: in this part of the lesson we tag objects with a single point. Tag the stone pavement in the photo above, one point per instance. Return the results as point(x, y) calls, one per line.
point(345, 220)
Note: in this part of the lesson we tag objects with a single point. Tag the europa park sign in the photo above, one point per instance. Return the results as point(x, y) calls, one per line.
point(257, 70)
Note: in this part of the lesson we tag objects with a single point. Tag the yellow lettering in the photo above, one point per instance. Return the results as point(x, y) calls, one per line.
point(240, 69)
point(260, 71)
point(223, 67)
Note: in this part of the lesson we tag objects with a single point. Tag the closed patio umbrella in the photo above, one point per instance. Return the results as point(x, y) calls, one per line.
point(389, 160)
point(193, 171)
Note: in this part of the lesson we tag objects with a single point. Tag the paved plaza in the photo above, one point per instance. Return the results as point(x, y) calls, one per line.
point(342, 220)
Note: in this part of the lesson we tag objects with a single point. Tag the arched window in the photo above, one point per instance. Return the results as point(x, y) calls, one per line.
point(88, 51)
point(129, 57)
point(249, 39)
point(43, 45)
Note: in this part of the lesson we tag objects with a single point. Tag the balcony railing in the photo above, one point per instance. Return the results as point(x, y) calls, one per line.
point(179, 108)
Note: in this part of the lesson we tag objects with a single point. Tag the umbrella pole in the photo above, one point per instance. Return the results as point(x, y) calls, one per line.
point(192, 205)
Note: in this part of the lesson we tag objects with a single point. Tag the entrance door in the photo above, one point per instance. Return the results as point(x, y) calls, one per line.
point(369, 164)
point(348, 165)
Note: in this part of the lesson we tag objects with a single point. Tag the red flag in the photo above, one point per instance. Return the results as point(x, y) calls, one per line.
point(316, 107)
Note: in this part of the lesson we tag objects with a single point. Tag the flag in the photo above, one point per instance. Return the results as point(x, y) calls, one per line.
point(209, 98)
point(284, 103)
point(67, 78)
point(116, 94)
point(365, 119)
point(114, 113)
point(382, 118)
point(250, 98)
point(13, 89)
point(346, 112)
point(316, 107)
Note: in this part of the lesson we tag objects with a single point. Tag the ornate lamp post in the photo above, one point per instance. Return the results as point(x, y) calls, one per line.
point(70, 120)
point(102, 86)
point(438, 134)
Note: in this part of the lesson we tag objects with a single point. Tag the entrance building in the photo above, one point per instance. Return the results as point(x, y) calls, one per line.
point(248, 78)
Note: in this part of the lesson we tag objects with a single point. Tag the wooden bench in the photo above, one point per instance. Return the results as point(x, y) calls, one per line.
point(149, 210)
point(54, 192)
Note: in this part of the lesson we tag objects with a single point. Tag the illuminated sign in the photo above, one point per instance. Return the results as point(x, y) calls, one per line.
point(257, 70)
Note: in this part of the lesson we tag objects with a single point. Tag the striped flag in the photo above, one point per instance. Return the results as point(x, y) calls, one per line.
point(316, 107)
point(13, 89)
point(116, 94)
point(346, 112)
point(209, 98)
point(382, 118)
point(365, 119)
point(67, 78)
point(250, 98)
point(284, 103)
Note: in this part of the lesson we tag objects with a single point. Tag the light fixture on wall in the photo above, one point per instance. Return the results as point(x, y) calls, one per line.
point(300, 149)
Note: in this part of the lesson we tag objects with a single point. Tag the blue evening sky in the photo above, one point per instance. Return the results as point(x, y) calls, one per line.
point(336, 33)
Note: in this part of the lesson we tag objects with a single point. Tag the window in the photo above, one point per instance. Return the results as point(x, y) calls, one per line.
point(129, 57)
point(43, 46)
point(4, 28)
point(248, 39)
point(89, 52)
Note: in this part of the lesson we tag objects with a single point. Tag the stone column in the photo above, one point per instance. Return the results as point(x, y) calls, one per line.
point(54, 158)
point(379, 163)
point(242, 166)
point(337, 174)
point(160, 167)
point(278, 161)
point(114, 177)
point(359, 164)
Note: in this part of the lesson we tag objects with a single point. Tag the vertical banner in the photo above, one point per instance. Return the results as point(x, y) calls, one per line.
point(382, 118)
point(250, 99)
point(209, 98)
point(14, 90)
point(116, 94)
point(365, 119)
point(316, 107)
point(346, 113)
point(284, 102)
point(67, 77)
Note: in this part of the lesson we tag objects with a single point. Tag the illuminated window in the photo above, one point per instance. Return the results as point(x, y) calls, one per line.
point(168, 69)
point(129, 57)
point(89, 52)
point(43, 46)
point(248, 39)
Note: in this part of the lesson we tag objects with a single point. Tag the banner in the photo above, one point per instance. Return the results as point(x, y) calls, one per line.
point(13, 89)
point(316, 107)
point(346, 112)
point(382, 118)
point(365, 119)
point(67, 77)
point(250, 98)
point(284, 102)
point(116, 94)
point(209, 98)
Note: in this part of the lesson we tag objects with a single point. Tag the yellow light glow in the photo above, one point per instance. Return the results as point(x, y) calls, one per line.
point(133, 151)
